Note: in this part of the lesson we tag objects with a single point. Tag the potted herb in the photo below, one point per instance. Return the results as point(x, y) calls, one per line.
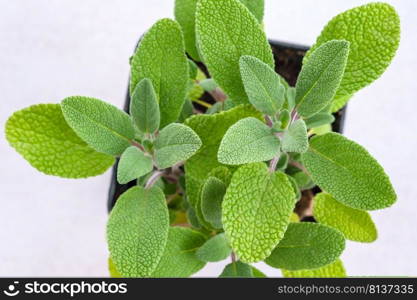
point(226, 157)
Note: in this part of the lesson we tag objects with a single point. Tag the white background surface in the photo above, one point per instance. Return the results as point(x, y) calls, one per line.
point(51, 49)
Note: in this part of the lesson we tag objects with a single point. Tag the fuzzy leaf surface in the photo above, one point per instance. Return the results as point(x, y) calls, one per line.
point(256, 211)
point(132, 165)
point(348, 172)
point(215, 249)
point(307, 246)
point(161, 57)
point(179, 259)
point(212, 194)
point(320, 77)
point(333, 270)
point(184, 12)
point(295, 139)
point(226, 30)
point(262, 85)
point(355, 224)
point(103, 126)
point(373, 31)
point(42, 136)
point(237, 269)
point(137, 231)
point(144, 107)
point(210, 129)
point(248, 140)
point(175, 143)
point(256, 7)
point(319, 119)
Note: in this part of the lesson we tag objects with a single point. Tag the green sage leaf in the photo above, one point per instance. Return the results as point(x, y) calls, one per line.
point(103, 126)
point(237, 269)
point(175, 143)
point(249, 140)
point(295, 139)
point(161, 57)
point(137, 231)
point(355, 224)
point(333, 270)
point(256, 210)
point(307, 246)
point(320, 77)
point(225, 31)
point(132, 165)
point(211, 129)
point(42, 136)
point(348, 172)
point(262, 85)
point(212, 194)
point(144, 107)
point(179, 259)
point(373, 31)
point(319, 119)
point(215, 249)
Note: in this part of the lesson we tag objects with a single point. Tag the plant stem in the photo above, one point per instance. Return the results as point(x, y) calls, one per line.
point(218, 95)
point(136, 144)
point(273, 164)
point(202, 103)
point(300, 166)
point(233, 257)
point(268, 121)
point(154, 178)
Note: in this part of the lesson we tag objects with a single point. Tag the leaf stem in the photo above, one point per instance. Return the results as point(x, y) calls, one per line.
point(218, 95)
point(268, 121)
point(300, 166)
point(273, 164)
point(153, 179)
point(136, 144)
point(202, 103)
point(233, 257)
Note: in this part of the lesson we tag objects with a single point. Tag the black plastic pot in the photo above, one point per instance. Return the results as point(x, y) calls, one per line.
point(288, 62)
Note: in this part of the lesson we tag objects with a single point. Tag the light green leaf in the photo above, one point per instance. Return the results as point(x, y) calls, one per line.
point(256, 7)
point(112, 270)
point(212, 194)
point(185, 15)
point(209, 84)
point(179, 259)
point(321, 129)
point(307, 246)
point(144, 107)
point(132, 165)
point(295, 139)
point(137, 231)
point(187, 111)
point(249, 140)
point(226, 30)
point(345, 170)
point(257, 274)
point(256, 210)
point(210, 129)
point(319, 119)
point(320, 77)
point(333, 270)
point(373, 31)
point(262, 85)
point(161, 57)
point(193, 69)
point(174, 144)
point(355, 224)
point(215, 249)
point(237, 269)
point(42, 136)
point(103, 126)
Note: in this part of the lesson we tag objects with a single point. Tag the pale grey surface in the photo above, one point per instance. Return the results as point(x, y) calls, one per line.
point(50, 49)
